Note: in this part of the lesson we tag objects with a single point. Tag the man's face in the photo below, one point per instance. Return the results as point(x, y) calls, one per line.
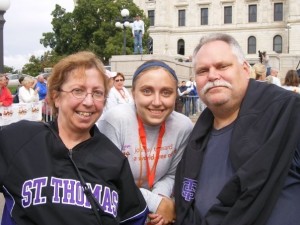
point(221, 80)
point(274, 73)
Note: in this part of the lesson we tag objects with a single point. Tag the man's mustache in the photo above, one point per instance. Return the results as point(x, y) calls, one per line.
point(216, 83)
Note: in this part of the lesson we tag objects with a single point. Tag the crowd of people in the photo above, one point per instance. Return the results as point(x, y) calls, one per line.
point(111, 156)
point(188, 101)
point(291, 80)
point(29, 90)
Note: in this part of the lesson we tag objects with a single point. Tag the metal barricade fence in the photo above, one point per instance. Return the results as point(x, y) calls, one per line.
point(47, 112)
point(189, 105)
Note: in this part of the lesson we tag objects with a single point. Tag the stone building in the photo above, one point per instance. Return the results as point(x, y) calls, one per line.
point(273, 26)
point(176, 27)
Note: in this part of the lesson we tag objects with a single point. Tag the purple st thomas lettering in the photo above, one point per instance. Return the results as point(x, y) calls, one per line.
point(26, 194)
point(80, 196)
point(106, 201)
point(38, 184)
point(32, 192)
point(68, 191)
point(56, 183)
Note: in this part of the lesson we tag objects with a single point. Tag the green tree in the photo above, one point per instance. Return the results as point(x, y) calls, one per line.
point(36, 64)
point(8, 69)
point(91, 26)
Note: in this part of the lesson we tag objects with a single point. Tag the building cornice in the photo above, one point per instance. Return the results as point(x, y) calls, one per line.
point(227, 1)
point(203, 3)
point(181, 4)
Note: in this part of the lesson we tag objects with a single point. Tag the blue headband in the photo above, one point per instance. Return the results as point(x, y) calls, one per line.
point(149, 64)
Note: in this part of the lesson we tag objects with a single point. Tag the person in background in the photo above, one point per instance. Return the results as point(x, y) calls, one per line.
point(118, 94)
point(183, 92)
point(179, 100)
point(110, 75)
point(6, 80)
point(16, 95)
point(66, 171)
point(291, 81)
point(258, 72)
point(41, 86)
point(6, 98)
point(241, 165)
point(138, 30)
point(265, 60)
point(274, 77)
point(194, 96)
point(26, 93)
point(152, 135)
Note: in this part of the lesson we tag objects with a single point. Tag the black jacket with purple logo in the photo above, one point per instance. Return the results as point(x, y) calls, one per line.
point(41, 186)
point(262, 148)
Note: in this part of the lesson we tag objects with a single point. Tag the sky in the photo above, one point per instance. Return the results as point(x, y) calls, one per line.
point(26, 21)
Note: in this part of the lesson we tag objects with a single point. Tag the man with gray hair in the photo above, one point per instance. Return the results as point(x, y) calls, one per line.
point(275, 79)
point(242, 163)
point(41, 87)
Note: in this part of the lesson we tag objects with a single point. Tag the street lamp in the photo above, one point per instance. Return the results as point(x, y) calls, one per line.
point(288, 27)
point(4, 5)
point(125, 23)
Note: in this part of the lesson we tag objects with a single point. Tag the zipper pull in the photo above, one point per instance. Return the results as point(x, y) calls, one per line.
point(70, 153)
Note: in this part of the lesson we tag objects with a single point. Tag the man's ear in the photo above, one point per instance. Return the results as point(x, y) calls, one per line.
point(247, 69)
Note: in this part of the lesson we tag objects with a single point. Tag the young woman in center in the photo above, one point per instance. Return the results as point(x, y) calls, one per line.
point(152, 135)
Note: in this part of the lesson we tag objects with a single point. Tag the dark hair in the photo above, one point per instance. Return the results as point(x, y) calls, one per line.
point(291, 78)
point(150, 65)
point(153, 64)
point(21, 79)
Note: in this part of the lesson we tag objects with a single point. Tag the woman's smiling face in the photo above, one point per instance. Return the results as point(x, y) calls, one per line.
point(154, 94)
point(79, 115)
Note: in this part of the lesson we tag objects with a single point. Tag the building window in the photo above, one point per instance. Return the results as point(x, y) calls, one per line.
point(277, 44)
point(180, 47)
point(151, 16)
point(204, 16)
point(181, 18)
point(252, 13)
point(228, 14)
point(251, 45)
point(278, 11)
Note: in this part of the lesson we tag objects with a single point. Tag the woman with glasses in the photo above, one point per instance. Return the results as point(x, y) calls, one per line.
point(66, 171)
point(118, 94)
point(152, 135)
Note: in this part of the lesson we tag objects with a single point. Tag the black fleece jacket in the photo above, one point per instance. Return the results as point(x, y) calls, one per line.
point(263, 143)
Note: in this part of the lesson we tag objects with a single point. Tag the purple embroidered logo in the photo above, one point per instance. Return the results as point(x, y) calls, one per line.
point(189, 187)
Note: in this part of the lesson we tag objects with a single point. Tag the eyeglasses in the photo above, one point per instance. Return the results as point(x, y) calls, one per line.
point(81, 94)
point(119, 80)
